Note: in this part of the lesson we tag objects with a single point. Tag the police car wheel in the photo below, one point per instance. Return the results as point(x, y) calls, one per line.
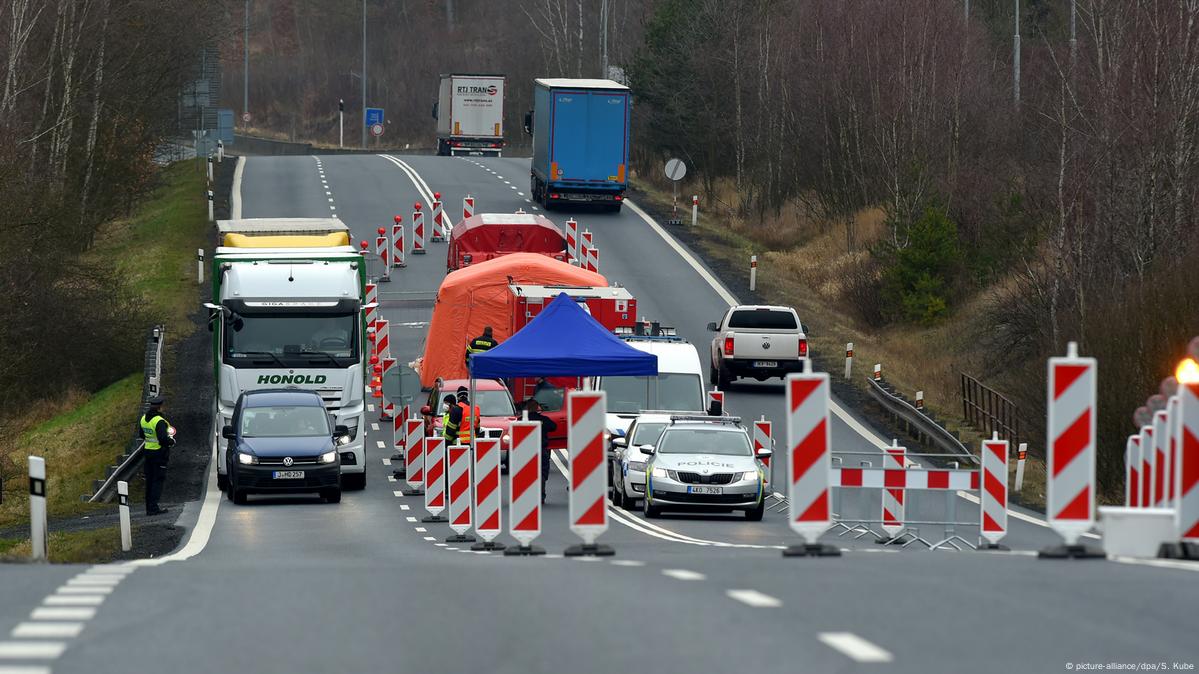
point(649, 511)
point(755, 515)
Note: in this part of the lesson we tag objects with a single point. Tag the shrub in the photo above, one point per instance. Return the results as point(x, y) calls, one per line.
point(917, 275)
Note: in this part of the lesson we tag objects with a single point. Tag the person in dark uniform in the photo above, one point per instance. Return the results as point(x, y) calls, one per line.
point(484, 342)
point(548, 426)
point(450, 419)
point(155, 432)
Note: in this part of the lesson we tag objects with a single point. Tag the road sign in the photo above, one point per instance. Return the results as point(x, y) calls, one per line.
point(374, 116)
point(401, 384)
point(376, 130)
point(245, 116)
point(676, 169)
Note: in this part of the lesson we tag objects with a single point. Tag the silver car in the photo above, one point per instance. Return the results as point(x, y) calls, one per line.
point(629, 459)
point(705, 464)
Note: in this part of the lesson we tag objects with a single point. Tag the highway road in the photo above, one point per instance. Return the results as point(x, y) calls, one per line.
point(290, 584)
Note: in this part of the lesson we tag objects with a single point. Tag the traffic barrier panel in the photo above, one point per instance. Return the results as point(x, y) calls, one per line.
point(593, 257)
point(572, 241)
point(993, 495)
point(468, 207)
point(912, 479)
point(383, 338)
point(372, 304)
point(524, 487)
point(418, 230)
point(399, 426)
point(1132, 473)
point(764, 439)
point(893, 509)
point(1146, 490)
point(438, 218)
point(459, 488)
point(397, 243)
point(716, 401)
point(414, 458)
point(1070, 476)
point(808, 461)
point(1161, 438)
point(585, 411)
point(585, 244)
point(1186, 478)
point(487, 493)
point(388, 408)
point(382, 247)
point(434, 479)
point(1174, 409)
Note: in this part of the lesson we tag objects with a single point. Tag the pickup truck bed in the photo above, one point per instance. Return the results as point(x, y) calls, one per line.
point(759, 342)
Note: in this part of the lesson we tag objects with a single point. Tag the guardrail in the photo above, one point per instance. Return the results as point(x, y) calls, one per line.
point(126, 464)
point(923, 425)
point(989, 410)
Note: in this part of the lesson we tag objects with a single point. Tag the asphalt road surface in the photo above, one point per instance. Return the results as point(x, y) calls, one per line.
point(294, 585)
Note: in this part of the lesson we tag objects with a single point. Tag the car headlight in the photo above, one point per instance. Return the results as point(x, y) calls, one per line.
point(352, 424)
point(751, 475)
point(637, 466)
point(659, 472)
point(344, 439)
point(246, 459)
point(327, 457)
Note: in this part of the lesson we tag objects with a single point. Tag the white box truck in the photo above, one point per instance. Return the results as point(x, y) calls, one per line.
point(470, 114)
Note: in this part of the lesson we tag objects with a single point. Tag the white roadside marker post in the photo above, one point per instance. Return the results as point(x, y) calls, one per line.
point(37, 508)
point(209, 162)
point(210, 216)
point(848, 359)
point(200, 266)
point(753, 272)
point(1021, 454)
point(694, 209)
point(123, 506)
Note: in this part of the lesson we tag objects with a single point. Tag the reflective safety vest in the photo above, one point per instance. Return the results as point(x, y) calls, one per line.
point(448, 428)
point(467, 426)
point(149, 434)
point(479, 345)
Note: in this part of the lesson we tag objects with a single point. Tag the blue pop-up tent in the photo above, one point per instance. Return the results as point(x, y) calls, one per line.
point(563, 341)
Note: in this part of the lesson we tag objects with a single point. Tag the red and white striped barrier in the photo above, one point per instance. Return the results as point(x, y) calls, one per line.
point(993, 495)
point(1146, 490)
point(372, 304)
point(399, 425)
point(397, 243)
point(524, 487)
point(1174, 409)
point(585, 411)
point(434, 479)
point(418, 230)
point(1132, 473)
point(1161, 439)
point(459, 488)
point(383, 250)
point(1070, 485)
point(716, 397)
point(764, 439)
point(468, 207)
point(487, 493)
point(414, 457)
point(593, 257)
point(388, 408)
point(585, 244)
point(893, 508)
point(809, 461)
point(438, 218)
point(1186, 515)
point(910, 479)
point(572, 241)
point(383, 338)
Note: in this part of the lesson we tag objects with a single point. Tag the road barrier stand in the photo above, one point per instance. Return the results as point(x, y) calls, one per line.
point(38, 535)
point(585, 244)
point(524, 487)
point(211, 218)
point(1021, 455)
point(952, 539)
point(809, 461)
point(438, 219)
point(694, 209)
point(459, 487)
point(397, 242)
point(861, 527)
point(1132, 473)
point(992, 510)
point(1070, 474)
point(1161, 437)
point(1186, 477)
point(848, 360)
point(418, 230)
point(200, 266)
point(372, 304)
point(434, 479)
point(914, 478)
point(399, 426)
point(593, 259)
point(382, 248)
point(572, 241)
point(468, 207)
point(123, 509)
point(388, 408)
point(414, 458)
point(753, 272)
point(1146, 490)
point(763, 439)
point(488, 495)
point(585, 412)
point(716, 402)
point(892, 502)
point(1173, 408)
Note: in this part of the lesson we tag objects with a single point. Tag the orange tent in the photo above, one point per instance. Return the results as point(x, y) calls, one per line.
point(478, 296)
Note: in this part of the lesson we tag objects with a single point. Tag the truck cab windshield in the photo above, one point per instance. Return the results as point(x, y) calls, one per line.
point(291, 340)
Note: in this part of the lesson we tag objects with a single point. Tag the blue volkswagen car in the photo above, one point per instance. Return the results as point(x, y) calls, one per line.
point(283, 441)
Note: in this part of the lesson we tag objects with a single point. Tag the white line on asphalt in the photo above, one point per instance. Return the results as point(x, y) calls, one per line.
point(410, 518)
point(379, 444)
point(626, 562)
point(235, 193)
point(587, 559)
point(513, 187)
point(332, 208)
point(521, 194)
point(442, 545)
point(854, 646)
point(39, 650)
point(754, 598)
point(62, 613)
point(421, 186)
point(536, 209)
point(397, 493)
point(369, 407)
point(47, 630)
point(375, 427)
point(23, 669)
point(112, 569)
point(391, 478)
point(421, 530)
point(1159, 563)
point(74, 600)
point(95, 580)
point(84, 589)
point(430, 538)
point(386, 461)
point(683, 574)
point(553, 555)
point(403, 506)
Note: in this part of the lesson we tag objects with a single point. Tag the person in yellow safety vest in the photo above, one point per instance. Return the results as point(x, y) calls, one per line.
point(469, 420)
point(484, 342)
point(450, 420)
point(157, 438)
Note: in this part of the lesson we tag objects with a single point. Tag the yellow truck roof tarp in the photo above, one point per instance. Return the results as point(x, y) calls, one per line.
point(234, 240)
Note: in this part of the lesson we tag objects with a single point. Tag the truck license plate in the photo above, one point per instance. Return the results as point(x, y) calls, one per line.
point(705, 490)
point(766, 363)
point(288, 475)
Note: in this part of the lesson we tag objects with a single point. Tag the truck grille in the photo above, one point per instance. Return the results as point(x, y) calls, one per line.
point(696, 478)
point(331, 398)
point(278, 460)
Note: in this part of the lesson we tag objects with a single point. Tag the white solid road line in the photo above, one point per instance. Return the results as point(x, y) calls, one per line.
point(855, 647)
point(44, 630)
point(74, 600)
point(40, 650)
point(683, 574)
point(204, 523)
point(63, 613)
point(235, 195)
point(23, 669)
point(626, 562)
point(421, 186)
point(754, 598)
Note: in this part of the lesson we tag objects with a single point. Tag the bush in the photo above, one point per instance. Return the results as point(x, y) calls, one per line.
point(916, 276)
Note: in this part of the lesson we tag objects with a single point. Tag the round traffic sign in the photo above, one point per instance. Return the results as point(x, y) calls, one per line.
point(376, 129)
point(676, 169)
point(245, 116)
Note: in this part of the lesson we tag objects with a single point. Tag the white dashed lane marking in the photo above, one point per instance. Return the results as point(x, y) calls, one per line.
point(627, 562)
point(74, 600)
point(33, 650)
point(63, 613)
point(47, 630)
point(754, 598)
point(683, 574)
point(854, 646)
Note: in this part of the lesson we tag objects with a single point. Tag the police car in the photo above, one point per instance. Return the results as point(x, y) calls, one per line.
point(704, 464)
point(629, 459)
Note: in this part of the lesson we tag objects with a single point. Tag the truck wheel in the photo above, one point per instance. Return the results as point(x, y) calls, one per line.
point(442, 148)
point(222, 481)
point(724, 379)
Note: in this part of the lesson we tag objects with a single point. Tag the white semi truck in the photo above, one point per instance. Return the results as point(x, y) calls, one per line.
point(287, 311)
point(470, 114)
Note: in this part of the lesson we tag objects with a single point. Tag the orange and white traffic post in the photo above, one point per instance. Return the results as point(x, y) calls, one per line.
point(809, 462)
point(397, 243)
point(1132, 472)
point(764, 439)
point(894, 510)
point(468, 207)
point(1146, 490)
point(487, 493)
point(438, 218)
point(1161, 441)
point(992, 508)
point(372, 304)
point(418, 230)
point(387, 409)
point(585, 244)
point(572, 241)
point(716, 401)
point(434, 479)
point(524, 487)
point(459, 488)
point(1186, 477)
point(399, 426)
point(383, 250)
point(414, 458)
point(585, 411)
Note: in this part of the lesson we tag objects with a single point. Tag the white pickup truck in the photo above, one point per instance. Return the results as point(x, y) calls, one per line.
point(757, 341)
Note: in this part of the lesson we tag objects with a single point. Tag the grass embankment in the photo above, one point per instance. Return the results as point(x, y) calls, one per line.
point(74, 547)
point(804, 264)
point(80, 434)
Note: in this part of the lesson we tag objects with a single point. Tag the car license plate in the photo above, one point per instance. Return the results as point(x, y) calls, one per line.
point(288, 475)
point(705, 490)
point(766, 363)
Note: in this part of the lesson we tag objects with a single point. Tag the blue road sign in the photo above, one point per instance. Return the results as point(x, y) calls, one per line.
point(374, 116)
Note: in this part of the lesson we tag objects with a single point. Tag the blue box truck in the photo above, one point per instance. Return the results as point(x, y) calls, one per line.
point(580, 132)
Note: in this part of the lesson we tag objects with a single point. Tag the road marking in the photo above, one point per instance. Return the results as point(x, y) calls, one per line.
point(626, 562)
point(397, 493)
point(587, 559)
point(430, 538)
point(410, 518)
point(421, 530)
point(391, 478)
point(441, 545)
point(74, 600)
point(44, 630)
point(330, 199)
point(235, 193)
point(79, 581)
point(46, 650)
point(754, 598)
point(683, 574)
point(421, 186)
point(375, 427)
point(855, 647)
point(403, 506)
point(379, 444)
point(521, 194)
point(512, 186)
point(84, 589)
point(1020, 516)
point(112, 569)
point(1159, 563)
point(369, 406)
point(386, 461)
point(62, 613)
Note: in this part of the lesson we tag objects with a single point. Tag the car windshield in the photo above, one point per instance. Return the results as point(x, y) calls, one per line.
point(647, 434)
point(495, 403)
point(704, 441)
point(291, 421)
point(291, 340)
point(675, 392)
point(763, 319)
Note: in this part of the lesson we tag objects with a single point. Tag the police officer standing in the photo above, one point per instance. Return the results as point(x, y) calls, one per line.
point(484, 342)
point(548, 426)
point(158, 440)
point(450, 419)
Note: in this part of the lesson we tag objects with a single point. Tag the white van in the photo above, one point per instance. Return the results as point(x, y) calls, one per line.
point(679, 386)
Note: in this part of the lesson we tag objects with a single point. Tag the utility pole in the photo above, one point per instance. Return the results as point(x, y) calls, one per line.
point(967, 10)
point(341, 123)
point(1073, 32)
point(604, 40)
point(363, 74)
point(245, 78)
point(1016, 57)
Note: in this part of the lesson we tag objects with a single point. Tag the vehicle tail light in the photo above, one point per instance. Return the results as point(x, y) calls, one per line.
point(617, 197)
point(555, 196)
point(457, 143)
point(728, 346)
point(495, 145)
point(803, 348)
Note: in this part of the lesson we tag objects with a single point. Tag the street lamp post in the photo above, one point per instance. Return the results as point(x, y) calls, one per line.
point(245, 78)
point(363, 74)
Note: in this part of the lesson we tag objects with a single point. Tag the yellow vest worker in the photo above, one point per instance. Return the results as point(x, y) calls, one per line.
point(157, 439)
point(484, 342)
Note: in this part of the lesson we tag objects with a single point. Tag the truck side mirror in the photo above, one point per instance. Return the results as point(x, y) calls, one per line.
point(435, 105)
point(228, 433)
point(529, 122)
point(712, 327)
